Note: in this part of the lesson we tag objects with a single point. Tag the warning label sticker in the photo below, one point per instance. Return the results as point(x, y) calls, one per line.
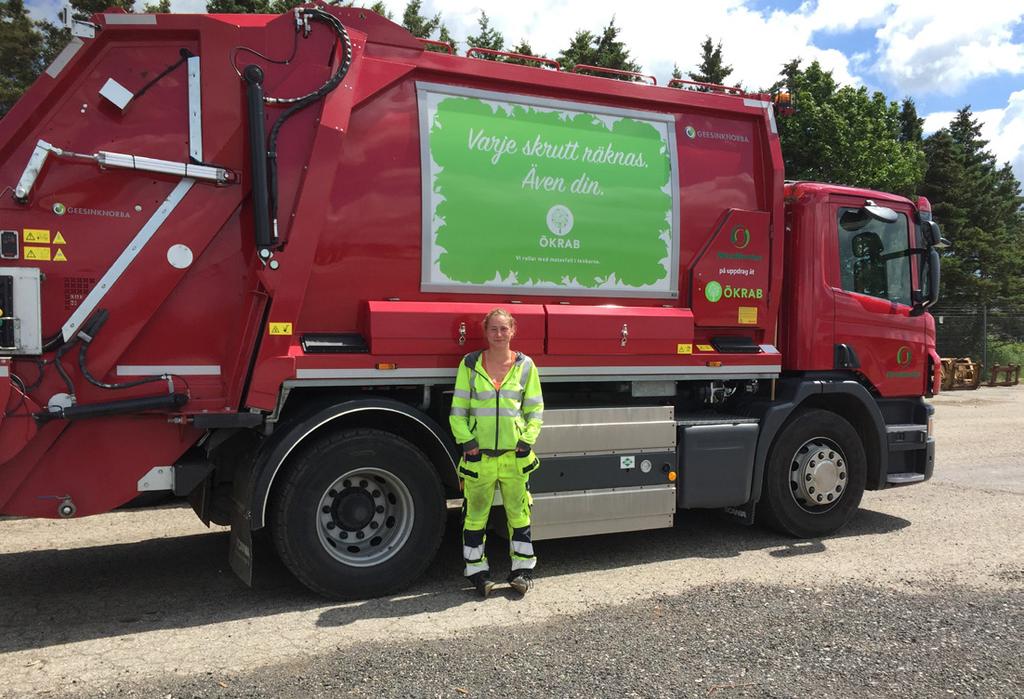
point(280, 328)
point(747, 315)
point(59, 256)
point(684, 349)
point(59, 239)
point(36, 253)
point(36, 235)
point(705, 348)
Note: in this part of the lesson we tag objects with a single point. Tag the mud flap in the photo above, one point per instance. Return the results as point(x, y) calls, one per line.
point(240, 551)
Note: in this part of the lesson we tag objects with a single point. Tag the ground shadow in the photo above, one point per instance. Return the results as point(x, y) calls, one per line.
point(54, 597)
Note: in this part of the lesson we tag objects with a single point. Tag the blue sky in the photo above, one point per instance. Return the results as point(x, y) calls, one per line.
point(941, 53)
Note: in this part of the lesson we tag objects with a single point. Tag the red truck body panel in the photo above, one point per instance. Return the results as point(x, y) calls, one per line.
point(351, 222)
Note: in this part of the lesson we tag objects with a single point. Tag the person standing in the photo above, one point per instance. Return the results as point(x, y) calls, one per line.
point(496, 416)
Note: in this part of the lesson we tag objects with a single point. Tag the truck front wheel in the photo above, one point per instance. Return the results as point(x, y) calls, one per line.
point(360, 513)
point(815, 476)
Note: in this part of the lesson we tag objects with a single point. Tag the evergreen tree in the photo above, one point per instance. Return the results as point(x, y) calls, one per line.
point(418, 24)
point(524, 48)
point(911, 126)
point(232, 7)
point(159, 7)
point(488, 38)
point(446, 37)
point(676, 73)
point(711, 69)
point(84, 9)
point(603, 49)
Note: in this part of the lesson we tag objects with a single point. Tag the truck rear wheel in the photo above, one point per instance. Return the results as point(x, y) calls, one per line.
point(360, 513)
point(815, 476)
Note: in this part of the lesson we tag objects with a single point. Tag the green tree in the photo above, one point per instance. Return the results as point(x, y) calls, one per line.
point(243, 7)
point(446, 37)
point(845, 135)
point(27, 47)
point(911, 125)
point(712, 68)
point(84, 9)
point(603, 49)
point(524, 48)
point(160, 7)
point(417, 23)
point(488, 38)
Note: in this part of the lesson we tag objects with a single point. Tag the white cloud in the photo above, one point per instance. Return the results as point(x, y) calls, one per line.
point(1003, 128)
point(928, 46)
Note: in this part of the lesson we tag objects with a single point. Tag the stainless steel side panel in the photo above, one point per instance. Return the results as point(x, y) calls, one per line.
point(581, 513)
point(607, 430)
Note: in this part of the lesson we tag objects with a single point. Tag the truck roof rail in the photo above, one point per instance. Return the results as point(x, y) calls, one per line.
point(581, 67)
point(471, 53)
point(704, 87)
point(439, 44)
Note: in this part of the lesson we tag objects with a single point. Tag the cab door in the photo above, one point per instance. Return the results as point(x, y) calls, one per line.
point(874, 280)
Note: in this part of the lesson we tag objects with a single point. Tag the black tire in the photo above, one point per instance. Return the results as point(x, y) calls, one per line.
point(358, 483)
point(815, 448)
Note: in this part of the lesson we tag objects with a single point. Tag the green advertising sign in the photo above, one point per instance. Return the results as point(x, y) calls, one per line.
point(538, 196)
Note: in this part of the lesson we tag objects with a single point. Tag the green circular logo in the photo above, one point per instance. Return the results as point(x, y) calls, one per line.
point(740, 237)
point(59, 209)
point(691, 132)
point(713, 292)
point(904, 356)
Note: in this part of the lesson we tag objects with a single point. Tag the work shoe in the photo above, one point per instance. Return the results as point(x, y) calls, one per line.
point(482, 583)
point(521, 581)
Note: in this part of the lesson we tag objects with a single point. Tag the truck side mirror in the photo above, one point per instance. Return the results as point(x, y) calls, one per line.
point(933, 264)
point(933, 236)
point(880, 213)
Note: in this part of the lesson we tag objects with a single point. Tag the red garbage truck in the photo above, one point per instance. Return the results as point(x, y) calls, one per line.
point(241, 256)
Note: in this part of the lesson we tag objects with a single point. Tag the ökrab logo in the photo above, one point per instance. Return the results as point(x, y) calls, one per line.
point(740, 237)
point(904, 356)
point(691, 132)
point(713, 292)
point(560, 222)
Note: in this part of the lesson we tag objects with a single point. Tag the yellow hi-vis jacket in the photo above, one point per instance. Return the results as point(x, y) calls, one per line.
point(502, 420)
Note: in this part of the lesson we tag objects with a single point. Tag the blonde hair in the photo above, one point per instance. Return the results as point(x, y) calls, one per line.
point(499, 312)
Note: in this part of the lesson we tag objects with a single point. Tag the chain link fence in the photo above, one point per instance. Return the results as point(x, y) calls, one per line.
point(989, 336)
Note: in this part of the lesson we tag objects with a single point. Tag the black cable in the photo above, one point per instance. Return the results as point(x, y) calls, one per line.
point(299, 103)
point(185, 55)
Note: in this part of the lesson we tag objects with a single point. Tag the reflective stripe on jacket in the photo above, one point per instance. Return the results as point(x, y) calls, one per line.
point(505, 419)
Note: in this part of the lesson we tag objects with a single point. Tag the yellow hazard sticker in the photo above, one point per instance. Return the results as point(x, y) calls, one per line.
point(684, 349)
point(748, 315)
point(39, 254)
point(59, 239)
point(37, 235)
point(280, 328)
point(705, 348)
point(59, 256)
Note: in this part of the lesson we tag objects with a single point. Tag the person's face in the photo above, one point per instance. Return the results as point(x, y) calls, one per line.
point(499, 333)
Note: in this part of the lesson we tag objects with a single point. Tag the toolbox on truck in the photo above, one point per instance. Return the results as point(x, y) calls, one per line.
point(617, 329)
point(436, 327)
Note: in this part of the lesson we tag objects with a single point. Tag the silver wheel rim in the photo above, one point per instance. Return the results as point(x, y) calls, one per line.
point(365, 517)
point(818, 475)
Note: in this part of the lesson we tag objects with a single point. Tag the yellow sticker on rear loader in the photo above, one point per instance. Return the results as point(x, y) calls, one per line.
point(705, 348)
point(748, 315)
point(59, 256)
point(280, 328)
point(35, 253)
point(37, 235)
point(59, 239)
point(684, 349)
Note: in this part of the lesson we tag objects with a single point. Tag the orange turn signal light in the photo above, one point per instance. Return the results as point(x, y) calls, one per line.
point(671, 475)
point(714, 364)
point(385, 366)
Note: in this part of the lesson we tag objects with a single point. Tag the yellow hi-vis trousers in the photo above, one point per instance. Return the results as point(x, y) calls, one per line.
point(512, 475)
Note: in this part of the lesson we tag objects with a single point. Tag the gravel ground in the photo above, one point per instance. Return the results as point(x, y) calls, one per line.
point(920, 595)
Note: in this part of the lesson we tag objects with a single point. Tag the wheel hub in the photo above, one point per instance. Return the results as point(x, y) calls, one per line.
point(818, 474)
point(365, 517)
point(352, 509)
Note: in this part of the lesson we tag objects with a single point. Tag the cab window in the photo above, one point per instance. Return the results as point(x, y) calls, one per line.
point(873, 256)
